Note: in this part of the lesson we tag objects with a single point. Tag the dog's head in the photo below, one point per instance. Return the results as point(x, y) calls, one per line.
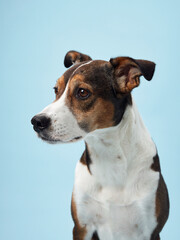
point(90, 95)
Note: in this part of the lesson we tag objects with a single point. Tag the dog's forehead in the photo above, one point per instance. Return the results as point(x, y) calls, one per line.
point(90, 70)
point(94, 67)
point(67, 75)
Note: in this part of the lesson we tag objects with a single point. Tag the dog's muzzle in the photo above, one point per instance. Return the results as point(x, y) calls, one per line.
point(40, 122)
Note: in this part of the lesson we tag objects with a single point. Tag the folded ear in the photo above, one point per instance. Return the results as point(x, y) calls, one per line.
point(127, 72)
point(73, 57)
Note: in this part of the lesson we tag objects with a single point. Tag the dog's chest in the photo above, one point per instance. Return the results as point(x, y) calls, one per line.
point(123, 213)
point(113, 222)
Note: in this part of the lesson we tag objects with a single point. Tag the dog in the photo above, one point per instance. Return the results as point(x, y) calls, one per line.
point(119, 192)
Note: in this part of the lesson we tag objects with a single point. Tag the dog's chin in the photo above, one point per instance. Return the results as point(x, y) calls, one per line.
point(52, 140)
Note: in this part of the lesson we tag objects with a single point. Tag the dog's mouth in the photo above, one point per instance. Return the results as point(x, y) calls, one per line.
point(54, 140)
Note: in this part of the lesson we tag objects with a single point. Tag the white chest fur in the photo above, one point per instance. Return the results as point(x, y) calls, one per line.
point(118, 198)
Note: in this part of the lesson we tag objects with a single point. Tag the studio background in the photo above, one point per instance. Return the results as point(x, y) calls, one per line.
point(36, 179)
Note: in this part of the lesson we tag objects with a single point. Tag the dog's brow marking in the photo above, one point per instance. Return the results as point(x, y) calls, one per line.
point(82, 66)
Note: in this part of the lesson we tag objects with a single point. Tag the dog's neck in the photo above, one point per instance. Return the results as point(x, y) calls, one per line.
point(116, 151)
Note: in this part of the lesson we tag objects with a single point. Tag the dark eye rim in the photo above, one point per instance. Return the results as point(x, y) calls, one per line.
point(55, 90)
point(82, 97)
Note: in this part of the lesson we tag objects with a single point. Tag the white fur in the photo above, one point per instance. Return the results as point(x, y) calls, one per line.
point(64, 126)
point(118, 198)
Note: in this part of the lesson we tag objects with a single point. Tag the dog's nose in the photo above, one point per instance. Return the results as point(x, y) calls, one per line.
point(40, 122)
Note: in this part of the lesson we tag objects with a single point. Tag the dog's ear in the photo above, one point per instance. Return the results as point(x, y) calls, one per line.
point(73, 57)
point(127, 72)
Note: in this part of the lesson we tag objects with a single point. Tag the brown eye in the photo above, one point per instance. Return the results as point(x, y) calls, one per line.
point(83, 93)
point(55, 90)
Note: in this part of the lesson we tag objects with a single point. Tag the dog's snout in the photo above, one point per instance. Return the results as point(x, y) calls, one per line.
point(40, 122)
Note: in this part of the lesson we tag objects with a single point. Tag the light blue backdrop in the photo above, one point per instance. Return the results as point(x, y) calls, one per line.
point(36, 179)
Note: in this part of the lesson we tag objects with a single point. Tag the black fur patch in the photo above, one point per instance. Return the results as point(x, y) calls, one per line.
point(95, 236)
point(156, 164)
point(85, 159)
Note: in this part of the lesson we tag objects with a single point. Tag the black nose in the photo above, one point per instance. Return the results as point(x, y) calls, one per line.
point(40, 122)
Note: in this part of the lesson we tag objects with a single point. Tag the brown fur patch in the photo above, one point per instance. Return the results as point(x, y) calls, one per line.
point(79, 232)
point(127, 72)
point(162, 201)
point(78, 80)
point(99, 116)
point(61, 87)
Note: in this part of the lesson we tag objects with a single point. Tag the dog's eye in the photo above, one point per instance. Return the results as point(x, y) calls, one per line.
point(55, 90)
point(83, 93)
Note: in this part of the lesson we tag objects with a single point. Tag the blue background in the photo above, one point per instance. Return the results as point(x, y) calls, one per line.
point(36, 179)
